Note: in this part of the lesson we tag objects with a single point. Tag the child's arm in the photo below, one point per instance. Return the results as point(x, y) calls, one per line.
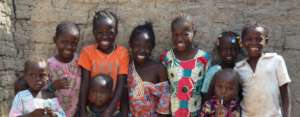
point(285, 98)
point(85, 79)
point(283, 80)
point(125, 101)
point(117, 96)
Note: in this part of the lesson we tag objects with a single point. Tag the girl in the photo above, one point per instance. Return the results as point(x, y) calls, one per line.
point(228, 48)
point(34, 102)
point(64, 71)
point(104, 57)
point(264, 77)
point(186, 68)
point(224, 103)
point(147, 79)
point(227, 52)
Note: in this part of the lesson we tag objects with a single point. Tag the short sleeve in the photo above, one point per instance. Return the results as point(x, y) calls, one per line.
point(163, 103)
point(212, 70)
point(58, 109)
point(16, 108)
point(163, 58)
point(85, 60)
point(282, 72)
point(124, 62)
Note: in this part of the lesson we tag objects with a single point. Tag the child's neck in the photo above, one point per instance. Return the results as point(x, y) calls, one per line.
point(227, 65)
point(98, 108)
point(108, 51)
point(187, 54)
point(253, 62)
point(141, 64)
point(59, 58)
point(33, 93)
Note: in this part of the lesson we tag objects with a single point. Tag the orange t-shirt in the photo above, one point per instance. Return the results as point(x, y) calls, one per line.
point(97, 62)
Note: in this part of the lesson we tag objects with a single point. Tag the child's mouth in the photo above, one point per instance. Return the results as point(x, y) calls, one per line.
point(67, 52)
point(105, 43)
point(181, 45)
point(253, 49)
point(141, 57)
point(229, 58)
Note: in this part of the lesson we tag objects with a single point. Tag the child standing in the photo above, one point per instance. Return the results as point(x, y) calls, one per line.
point(186, 68)
point(64, 71)
point(224, 102)
point(228, 49)
point(99, 95)
point(264, 77)
point(104, 57)
point(34, 102)
point(147, 80)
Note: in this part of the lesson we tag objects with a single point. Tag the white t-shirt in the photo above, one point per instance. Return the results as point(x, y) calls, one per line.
point(261, 89)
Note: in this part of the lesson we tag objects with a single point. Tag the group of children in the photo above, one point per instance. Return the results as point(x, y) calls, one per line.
point(107, 80)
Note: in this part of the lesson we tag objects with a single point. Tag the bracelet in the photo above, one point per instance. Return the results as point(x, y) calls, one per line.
point(51, 88)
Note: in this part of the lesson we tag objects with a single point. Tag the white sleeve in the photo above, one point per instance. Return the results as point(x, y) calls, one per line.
point(17, 107)
point(282, 72)
point(58, 109)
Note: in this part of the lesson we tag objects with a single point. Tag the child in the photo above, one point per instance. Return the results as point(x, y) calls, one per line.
point(34, 102)
point(186, 68)
point(104, 57)
point(264, 77)
point(64, 71)
point(99, 95)
point(147, 79)
point(228, 47)
point(224, 103)
point(228, 50)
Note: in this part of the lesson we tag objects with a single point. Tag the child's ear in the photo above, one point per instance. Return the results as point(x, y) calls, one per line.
point(54, 39)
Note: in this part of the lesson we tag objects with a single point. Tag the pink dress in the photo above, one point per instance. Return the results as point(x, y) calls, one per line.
point(68, 98)
point(146, 98)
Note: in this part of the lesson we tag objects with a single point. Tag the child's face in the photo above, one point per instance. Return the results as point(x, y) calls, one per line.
point(254, 41)
point(141, 47)
point(66, 44)
point(99, 96)
point(182, 35)
point(227, 49)
point(105, 33)
point(226, 88)
point(37, 75)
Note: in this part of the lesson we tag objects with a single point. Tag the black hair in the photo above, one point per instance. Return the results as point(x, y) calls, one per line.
point(183, 18)
point(65, 27)
point(105, 14)
point(144, 28)
point(34, 60)
point(235, 38)
point(263, 30)
point(98, 80)
point(235, 76)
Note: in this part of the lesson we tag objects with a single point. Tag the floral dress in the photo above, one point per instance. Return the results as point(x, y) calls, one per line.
point(210, 107)
point(146, 98)
point(186, 79)
point(68, 98)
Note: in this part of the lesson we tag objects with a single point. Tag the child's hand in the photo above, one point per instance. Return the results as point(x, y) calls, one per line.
point(107, 113)
point(60, 84)
point(50, 113)
point(220, 111)
point(37, 113)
